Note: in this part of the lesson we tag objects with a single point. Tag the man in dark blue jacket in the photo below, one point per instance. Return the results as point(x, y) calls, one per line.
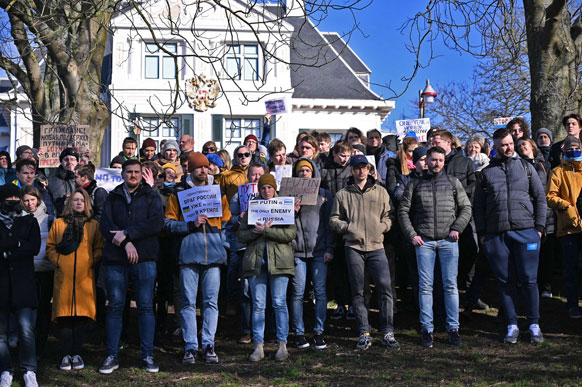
point(510, 213)
point(131, 219)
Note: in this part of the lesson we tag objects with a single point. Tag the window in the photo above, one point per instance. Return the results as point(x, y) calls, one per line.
point(158, 63)
point(243, 60)
point(159, 129)
point(236, 129)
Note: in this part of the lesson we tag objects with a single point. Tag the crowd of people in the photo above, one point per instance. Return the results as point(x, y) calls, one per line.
point(433, 216)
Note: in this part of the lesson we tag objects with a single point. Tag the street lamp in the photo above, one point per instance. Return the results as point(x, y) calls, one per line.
point(426, 97)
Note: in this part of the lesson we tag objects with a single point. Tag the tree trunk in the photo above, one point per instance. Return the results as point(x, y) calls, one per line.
point(554, 60)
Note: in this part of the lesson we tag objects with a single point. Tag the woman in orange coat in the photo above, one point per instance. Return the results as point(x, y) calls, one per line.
point(74, 245)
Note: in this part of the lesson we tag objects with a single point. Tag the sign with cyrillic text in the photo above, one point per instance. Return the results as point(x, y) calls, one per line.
point(55, 138)
point(108, 178)
point(281, 210)
point(247, 192)
point(205, 199)
point(305, 190)
point(419, 126)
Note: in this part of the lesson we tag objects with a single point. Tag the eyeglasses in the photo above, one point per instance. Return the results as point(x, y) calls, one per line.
point(241, 155)
point(209, 149)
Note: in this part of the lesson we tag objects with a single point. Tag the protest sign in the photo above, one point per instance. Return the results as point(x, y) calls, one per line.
point(205, 199)
point(501, 122)
point(108, 178)
point(419, 126)
point(55, 138)
point(247, 192)
point(276, 106)
point(282, 171)
point(305, 190)
point(281, 210)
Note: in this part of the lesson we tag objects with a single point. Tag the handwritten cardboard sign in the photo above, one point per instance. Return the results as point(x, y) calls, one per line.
point(305, 190)
point(55, 138)
point(108, 178)
point(205, 199)
point(247, 192)
point(281, 210)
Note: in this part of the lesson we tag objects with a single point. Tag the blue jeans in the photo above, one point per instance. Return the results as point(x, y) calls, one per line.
point(513, 257)
point(278, 285)
point(190, 276)
point(448, 253)
point(26, 345)
point(318, 275)
point(143, 277)
point(571, 247)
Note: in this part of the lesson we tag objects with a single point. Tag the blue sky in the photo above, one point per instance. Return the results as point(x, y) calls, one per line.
point(382, 47)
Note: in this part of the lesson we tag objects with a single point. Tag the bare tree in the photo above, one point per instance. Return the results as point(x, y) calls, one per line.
point(53, 49)
point(480, 27)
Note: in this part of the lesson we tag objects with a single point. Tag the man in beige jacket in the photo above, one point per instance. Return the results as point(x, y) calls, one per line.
point(361, 214)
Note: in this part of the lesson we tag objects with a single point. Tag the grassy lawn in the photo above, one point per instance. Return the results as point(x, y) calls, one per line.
point(482, 359)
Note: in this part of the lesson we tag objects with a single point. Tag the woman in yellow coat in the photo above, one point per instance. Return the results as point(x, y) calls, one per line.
point(74, 245)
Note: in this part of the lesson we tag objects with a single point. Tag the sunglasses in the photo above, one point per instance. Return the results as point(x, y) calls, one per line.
point(209, 149)
point(241, 155)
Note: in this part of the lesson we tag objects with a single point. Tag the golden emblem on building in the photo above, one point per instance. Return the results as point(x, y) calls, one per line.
point(202, 92)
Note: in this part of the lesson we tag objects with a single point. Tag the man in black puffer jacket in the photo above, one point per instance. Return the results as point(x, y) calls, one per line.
point(433, 211)
point(510, 214)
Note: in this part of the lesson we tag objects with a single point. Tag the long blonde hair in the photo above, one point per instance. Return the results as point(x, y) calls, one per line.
point(406, 143)
point(68, 211)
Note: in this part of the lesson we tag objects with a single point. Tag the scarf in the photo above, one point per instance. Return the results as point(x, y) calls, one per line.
point(8, 219)
point(73, 234)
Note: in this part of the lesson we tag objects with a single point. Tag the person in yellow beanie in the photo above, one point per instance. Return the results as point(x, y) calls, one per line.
point(268, 259)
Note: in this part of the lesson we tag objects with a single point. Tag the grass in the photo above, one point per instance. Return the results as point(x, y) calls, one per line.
point(481, 360)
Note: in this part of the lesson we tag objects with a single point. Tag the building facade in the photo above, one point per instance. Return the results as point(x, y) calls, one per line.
point(253, 58)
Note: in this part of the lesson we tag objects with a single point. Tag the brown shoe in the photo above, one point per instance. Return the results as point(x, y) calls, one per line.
point(245, 339)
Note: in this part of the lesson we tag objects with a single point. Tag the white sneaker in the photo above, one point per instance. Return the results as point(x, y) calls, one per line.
point(512, 334)
point(30, 379)
point(535, 333)
point(6, 379)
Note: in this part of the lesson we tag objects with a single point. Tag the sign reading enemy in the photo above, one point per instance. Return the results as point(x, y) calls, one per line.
point(281, 210)
point(247, 192)
point(205, 200)
point(55, 138)
point(305, 190)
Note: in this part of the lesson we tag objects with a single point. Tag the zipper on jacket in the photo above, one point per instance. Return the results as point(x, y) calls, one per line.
point(507, 189)
point(434, 205)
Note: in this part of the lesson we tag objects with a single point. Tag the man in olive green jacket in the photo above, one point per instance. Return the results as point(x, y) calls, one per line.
point(361, 213)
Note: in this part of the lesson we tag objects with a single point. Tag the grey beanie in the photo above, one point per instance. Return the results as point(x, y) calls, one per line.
point(171, 144)
point(546, 131)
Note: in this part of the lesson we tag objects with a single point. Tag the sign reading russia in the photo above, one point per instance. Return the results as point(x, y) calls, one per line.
point(205, 200)
point(281, 210)
point(419, 126)
point(55, 138)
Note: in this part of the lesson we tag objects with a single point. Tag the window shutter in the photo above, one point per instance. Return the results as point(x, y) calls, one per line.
point(217, 126)
point(187, 124)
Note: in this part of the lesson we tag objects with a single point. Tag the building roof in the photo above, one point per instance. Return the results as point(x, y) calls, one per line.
point(346, 52)
point(318, 70)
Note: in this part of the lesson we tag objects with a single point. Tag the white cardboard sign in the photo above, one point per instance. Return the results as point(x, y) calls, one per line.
point(279, 209)
point(282, 171)
point(205, 199)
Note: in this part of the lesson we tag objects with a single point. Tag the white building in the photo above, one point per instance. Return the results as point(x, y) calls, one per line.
point(282, 59)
